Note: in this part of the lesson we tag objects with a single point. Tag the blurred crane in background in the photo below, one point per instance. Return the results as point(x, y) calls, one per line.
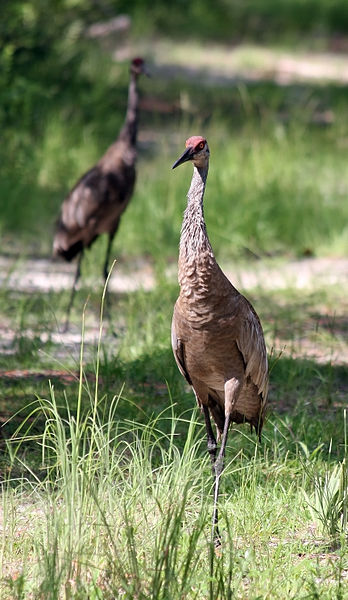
point(217, 337)
point(97, 201)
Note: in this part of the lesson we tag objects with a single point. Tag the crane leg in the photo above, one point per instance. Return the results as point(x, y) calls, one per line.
point(107, 256)
point(218, 468)
point(211, 440)
point(72, 295)
point(106, 271)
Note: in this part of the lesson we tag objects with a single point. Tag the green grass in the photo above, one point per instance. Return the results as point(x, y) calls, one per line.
point(233, 20)
point(62, 101)
point(122, 509)
point(262, 195)
point(277, 183)
point(107, 488)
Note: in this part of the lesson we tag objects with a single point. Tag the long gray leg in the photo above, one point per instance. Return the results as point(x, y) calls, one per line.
point(212, 448)
point(77, 277)
point(106, 273)
point(211, 440)
point(107, 256)
point(218, 468)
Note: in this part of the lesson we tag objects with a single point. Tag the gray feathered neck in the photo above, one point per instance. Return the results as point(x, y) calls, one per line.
point(129, 129)
point(194, 238)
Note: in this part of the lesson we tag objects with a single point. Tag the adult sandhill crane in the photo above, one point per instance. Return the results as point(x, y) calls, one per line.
point(217, 338)
point(99, 198)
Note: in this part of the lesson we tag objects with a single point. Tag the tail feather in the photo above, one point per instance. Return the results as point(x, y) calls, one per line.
point(69, 253)
point(218, 414)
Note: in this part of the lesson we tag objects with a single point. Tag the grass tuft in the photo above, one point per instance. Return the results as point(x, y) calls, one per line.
point(329, 502)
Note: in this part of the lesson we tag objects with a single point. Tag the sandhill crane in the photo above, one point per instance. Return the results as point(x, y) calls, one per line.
point(99, 198)
point(217, 338)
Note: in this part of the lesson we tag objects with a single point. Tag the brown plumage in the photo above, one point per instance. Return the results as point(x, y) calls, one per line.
point(97, 201)
point(217, 337)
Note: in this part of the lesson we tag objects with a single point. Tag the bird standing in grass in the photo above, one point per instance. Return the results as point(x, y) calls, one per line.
point(99, 198)
point(217, 338)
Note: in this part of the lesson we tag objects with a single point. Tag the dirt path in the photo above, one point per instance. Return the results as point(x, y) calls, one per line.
point(43, 275)
point(221, 64)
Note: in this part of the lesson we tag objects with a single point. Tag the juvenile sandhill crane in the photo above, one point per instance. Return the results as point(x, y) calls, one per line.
point(99, 198)
point(217, 338)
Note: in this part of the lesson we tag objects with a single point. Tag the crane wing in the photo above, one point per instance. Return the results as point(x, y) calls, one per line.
point(252, 346)
point(85, 200)
point(178, 351)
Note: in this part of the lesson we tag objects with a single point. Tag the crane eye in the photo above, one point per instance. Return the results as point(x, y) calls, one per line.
point(201, 146)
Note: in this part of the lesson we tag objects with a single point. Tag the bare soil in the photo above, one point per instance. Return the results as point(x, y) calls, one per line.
point(322, 334)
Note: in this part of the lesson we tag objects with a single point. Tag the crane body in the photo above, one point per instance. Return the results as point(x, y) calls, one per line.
point(97, 201)
point(217, 338)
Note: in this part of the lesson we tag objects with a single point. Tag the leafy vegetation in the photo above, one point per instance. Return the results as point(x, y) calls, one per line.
point(105, 481)
point(236, 20)
point(263, 175)
point(63, 100)
point(108, 462)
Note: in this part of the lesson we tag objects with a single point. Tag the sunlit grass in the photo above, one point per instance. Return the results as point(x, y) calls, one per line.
point(277, 183)
point(107, 483)
point(106, 487)
point(120, 508)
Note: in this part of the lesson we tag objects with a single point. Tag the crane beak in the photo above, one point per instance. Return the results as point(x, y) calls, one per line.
point(187, 155)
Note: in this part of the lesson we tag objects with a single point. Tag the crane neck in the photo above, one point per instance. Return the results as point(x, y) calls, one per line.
point(129, 129)
point(194, 238)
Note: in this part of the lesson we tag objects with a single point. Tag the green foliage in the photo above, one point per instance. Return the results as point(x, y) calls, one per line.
point(121, 508)
point(62, 101)
point(42, 49)
point(236, 19)
point(47, 88)
point(264, 194)
point(329, 503)
point(107, 485)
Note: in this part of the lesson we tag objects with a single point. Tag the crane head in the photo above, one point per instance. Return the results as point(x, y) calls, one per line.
point(197, 151)
point(138, 66)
